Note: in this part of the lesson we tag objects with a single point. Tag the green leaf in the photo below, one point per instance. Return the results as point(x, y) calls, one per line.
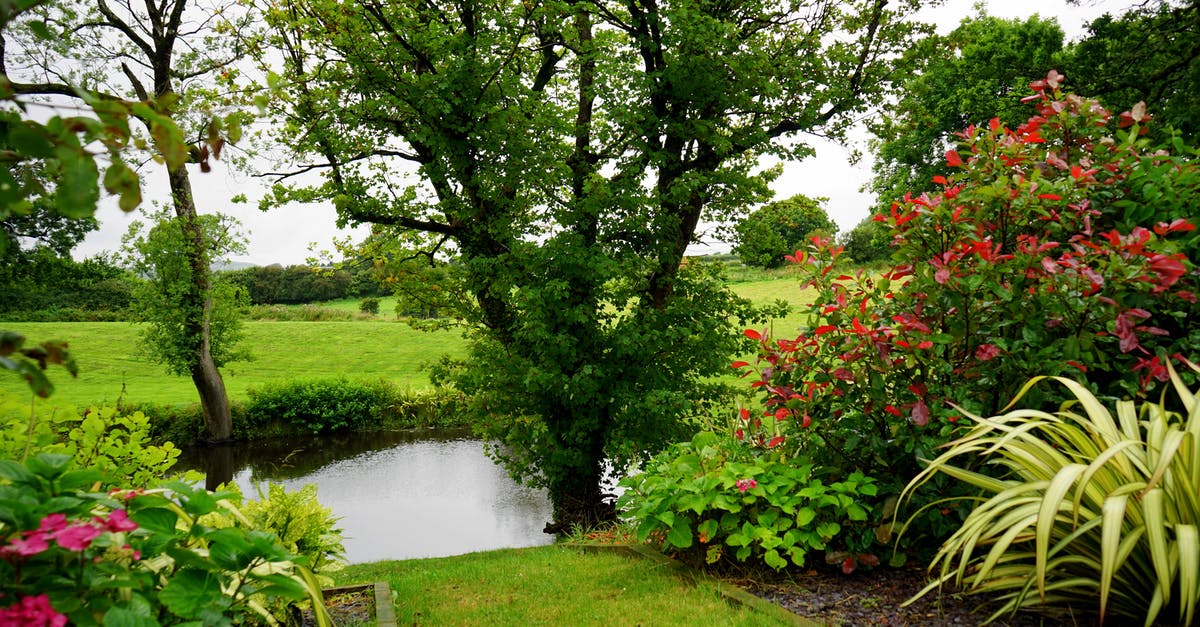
point(157, 519)
point(191, 591)
point(680, 534)
point(30, 141)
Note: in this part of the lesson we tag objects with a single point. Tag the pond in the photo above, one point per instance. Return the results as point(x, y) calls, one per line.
point(400, 495)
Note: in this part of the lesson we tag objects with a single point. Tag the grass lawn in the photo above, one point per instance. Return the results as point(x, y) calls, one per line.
point(283, 351)
point(553, 585)
point(375, 348)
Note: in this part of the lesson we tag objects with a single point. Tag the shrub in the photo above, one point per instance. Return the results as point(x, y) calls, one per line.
point(133, 557)
point(1090, 511)
point(114, 442)
point(369, 306)
point(721, 497)
point(1054, 248)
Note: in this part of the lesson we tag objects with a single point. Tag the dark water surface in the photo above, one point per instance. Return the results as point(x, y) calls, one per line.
point(400, 495)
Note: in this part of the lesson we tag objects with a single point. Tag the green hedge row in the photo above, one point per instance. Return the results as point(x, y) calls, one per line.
point(314, 407)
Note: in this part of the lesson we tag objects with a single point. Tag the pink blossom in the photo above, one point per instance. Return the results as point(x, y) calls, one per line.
point(53, 522)
point(34, 611)
point(33, 543)
point(745, 484)
point(76, 537)
point(117, 521)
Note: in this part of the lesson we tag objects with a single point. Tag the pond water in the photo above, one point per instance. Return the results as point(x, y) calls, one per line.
point(400, 495)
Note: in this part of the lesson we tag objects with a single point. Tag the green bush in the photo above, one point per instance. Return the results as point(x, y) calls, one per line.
point(722, 497)
point(115, 442)
point(369, 306)
point(1090, 512)
point(319, 406)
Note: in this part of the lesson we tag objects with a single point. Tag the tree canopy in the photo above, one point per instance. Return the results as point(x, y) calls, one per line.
point(780, 228)
point(564, 154)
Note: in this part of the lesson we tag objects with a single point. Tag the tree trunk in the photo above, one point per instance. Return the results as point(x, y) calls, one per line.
point(218, 423)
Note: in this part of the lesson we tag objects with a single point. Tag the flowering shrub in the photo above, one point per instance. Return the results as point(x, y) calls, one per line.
point(131, 557)
point(1055, 248)
point(718, 497)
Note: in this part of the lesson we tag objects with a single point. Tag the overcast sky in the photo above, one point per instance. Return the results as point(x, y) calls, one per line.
point(287, 235)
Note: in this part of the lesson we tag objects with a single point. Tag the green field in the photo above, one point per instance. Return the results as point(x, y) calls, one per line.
point(108, 358)
point(378, 348)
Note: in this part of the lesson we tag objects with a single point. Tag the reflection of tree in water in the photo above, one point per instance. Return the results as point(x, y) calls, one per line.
point(286, 458)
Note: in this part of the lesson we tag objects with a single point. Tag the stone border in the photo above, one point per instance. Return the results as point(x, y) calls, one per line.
point(728, 591)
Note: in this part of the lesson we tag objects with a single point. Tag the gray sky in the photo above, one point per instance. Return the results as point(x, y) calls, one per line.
point(288, 235)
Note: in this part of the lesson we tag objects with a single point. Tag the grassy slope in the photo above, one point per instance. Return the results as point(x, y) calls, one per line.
point(377, 349)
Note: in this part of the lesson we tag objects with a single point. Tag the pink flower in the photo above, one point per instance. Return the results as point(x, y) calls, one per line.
point(53, 522)
point(33, 543)
point(117, 521)
point(32, 611)
point(77, 537)
point(745, 484)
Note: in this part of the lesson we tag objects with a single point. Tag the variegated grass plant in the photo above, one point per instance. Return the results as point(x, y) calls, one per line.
point(1092, 512)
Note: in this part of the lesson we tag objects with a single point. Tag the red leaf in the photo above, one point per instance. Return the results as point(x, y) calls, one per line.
point(952, 159)
point(739, 364)
point(848, 565)
point(823, 329)
point(775, 441)
point(752, 334)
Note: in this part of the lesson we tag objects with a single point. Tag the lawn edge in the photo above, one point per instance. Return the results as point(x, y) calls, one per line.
point(730, 592)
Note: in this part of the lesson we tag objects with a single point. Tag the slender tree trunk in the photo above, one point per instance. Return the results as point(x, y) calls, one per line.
point(218, 423)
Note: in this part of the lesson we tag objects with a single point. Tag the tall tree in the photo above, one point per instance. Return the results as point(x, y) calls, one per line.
point(565, 154)
point(978, 71)
point(164, 64)
point(1149, 54)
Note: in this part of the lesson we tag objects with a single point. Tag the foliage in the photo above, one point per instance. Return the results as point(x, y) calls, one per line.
point(154, 253)
point(40, 280)
point(304, 526)
point(565, 154)
point(330, 405)
point(1089, 511)
point(295, 285)
point(976, 72)
point(1151, 54)
point(867, 244)
point(369, 305)
point(106, 439)
point(779, 228)
point(727, 498)
point(1052, 247)
point(136, 555)
point(42, 229)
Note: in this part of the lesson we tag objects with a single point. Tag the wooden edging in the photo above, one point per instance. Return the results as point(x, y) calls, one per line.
point(728, 591)
point(385, 611)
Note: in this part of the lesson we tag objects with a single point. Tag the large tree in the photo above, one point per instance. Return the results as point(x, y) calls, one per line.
point(978, 71)
point(162, 63)
point(1149, 54)
point(564, 154)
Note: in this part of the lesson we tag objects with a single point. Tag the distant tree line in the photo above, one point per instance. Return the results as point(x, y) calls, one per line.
point(40, 284)
point(294, 285)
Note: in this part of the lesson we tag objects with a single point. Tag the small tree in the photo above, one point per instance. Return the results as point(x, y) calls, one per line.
point(154, 251)
point(780, 228)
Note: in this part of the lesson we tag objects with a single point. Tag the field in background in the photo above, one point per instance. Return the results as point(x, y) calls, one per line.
point(364, 348)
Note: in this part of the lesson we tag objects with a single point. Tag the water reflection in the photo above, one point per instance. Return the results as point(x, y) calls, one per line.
point(400, 494)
